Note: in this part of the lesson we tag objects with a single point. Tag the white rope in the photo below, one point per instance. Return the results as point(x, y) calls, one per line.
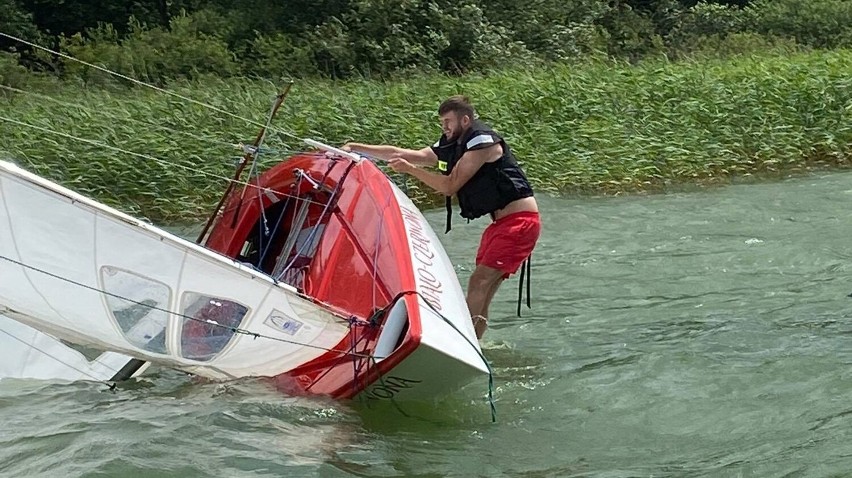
point(131, 119)
point(149, 157)
point(142, 83)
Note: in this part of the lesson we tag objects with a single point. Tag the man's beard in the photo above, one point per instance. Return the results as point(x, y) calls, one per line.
point(454, 135)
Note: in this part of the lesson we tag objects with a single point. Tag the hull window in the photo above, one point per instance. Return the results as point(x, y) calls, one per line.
point(141, 311)
point(211, 326)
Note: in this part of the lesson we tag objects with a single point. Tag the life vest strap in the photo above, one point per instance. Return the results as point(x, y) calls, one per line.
point(526, 270)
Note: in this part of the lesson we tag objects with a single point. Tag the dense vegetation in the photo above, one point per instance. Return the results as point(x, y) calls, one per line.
point(166, 39)
point(594, 96)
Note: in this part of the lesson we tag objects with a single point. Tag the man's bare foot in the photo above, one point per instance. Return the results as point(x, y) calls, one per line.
point(480, 324)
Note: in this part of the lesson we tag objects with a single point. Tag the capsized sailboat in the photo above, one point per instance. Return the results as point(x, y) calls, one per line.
point(320, 274)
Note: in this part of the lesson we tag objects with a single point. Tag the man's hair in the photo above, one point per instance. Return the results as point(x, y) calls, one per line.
point(458, 104)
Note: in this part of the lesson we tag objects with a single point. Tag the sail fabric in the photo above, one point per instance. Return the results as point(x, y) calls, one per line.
point(30, 354)
point(89, 274)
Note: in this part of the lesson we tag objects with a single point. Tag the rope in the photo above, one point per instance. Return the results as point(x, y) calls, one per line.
point(256, 152)
point(142, 83)
point(130, 119)
point(352, 321)
point(235, 330)
point(478, 351)
point(526, 269)
point(377, 246)
point(451, 324)
point(310, 239)
point(262, 251)
point(357, 364)
point(392, 400)
point(143, 156)
point(268, 126)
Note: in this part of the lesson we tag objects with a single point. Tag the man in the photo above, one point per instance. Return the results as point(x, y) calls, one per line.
point(476, 165)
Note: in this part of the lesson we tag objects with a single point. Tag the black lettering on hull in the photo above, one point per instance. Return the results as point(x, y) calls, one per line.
point(388, 387)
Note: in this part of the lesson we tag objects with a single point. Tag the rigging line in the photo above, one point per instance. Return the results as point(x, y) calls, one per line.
point(256, 156)
point(354, 347)
point(343, 355)
point(378, 246)
point(451, 324)
point(310, 239)
point(358, 361)
point(130, 119)
point(263, 223)
point(142, 83)
point(251, 154)
point(156, 88)
point(378, 370)
point(388, 198)
point(235, 330)
point(478, 351)
point(143, 156)
point(264, 250)
point(82, 372)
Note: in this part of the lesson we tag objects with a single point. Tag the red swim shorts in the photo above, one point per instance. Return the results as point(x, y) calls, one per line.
point(508, 241)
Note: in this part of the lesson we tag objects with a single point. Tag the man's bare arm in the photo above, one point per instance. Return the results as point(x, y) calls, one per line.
point(467, 166)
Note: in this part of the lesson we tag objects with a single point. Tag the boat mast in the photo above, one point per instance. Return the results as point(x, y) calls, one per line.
point(248, 158)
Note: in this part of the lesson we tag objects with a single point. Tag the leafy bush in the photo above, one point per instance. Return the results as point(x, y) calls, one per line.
point(11, 72)
point(737, 44)
point(631, 34)
point(553, 30)
point(280, 56)
point(703, 21)
point(383, 38)
point(818, 23)
point(16, 21)
point(379, 38)
point(149, 54)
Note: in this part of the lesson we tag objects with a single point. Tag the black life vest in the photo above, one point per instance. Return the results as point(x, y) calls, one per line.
point(494, 186)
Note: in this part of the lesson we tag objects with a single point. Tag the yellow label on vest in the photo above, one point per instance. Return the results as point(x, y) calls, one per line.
point(442, 165)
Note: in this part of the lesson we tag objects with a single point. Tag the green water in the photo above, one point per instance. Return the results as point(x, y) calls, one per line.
point(696, 334)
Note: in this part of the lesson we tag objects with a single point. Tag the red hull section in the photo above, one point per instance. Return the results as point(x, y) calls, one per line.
point(332, 228)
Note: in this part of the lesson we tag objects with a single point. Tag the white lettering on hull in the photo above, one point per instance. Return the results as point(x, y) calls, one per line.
point(429, 284)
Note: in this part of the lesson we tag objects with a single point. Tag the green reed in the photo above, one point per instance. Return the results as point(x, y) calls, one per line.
point(593, 128)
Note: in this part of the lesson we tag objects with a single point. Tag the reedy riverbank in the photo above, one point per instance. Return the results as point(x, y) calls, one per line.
point(593, 128)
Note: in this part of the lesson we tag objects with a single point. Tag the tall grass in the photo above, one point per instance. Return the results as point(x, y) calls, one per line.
point(595, 128)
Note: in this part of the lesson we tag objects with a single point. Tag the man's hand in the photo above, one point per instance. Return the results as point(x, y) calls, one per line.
point(400, 165)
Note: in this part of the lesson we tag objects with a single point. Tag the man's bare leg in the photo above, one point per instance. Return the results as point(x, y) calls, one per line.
point(491, 294)
point(481, 288)
point(480, 322)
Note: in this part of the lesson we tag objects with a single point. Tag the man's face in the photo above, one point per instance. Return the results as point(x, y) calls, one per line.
point(453, 125)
